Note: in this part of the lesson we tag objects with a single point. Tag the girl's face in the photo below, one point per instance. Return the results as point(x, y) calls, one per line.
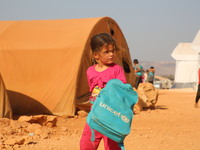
point(106, 55)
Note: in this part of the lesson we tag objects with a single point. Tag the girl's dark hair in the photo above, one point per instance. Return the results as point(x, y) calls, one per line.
point(99, 40)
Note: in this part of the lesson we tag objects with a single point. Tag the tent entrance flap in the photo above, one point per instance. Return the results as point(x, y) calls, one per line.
point(5, 108)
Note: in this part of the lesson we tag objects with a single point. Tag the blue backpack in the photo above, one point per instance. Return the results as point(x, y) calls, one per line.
point(112, 111)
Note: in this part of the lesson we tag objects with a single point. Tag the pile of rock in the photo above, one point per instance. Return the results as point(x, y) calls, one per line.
point(25, 131)
point(148, 97)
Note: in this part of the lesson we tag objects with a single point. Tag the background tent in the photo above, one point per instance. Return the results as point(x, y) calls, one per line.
point(5, 109)
point(187, 62)
point(196, 42)
point(44, 62)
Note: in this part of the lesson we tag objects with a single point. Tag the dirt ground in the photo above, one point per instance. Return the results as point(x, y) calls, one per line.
point(173, 125)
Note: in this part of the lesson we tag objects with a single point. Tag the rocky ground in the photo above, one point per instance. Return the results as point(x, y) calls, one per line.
point(173, 125)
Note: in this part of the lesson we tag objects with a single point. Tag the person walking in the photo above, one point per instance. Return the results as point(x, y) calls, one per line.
point(138, 72)
point(151, 75)
point(198, 91)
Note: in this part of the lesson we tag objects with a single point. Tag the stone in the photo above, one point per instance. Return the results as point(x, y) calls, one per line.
point(44, 120)
point(13, 141)
point(33, 127)
point(147, 97)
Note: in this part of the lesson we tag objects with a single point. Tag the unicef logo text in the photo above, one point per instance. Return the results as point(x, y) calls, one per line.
point(118, 114)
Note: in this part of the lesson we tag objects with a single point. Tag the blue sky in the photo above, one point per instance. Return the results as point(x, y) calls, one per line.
point(152, 28)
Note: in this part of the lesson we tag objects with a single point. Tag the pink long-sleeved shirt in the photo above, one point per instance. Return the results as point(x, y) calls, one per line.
point(100, 79)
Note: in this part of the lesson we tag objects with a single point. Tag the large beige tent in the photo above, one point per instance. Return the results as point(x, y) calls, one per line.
point(5, 109)
point(43, 62)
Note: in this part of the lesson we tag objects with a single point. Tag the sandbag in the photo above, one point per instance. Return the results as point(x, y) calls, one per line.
point(147, 97)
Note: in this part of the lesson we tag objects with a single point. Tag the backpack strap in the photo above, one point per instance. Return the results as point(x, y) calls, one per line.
point(92, 135)
point(121, 145)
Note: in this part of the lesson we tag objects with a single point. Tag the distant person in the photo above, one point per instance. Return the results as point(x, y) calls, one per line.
point(138, 72)
point(198, 92)
point(151, 75)
point(146, 74)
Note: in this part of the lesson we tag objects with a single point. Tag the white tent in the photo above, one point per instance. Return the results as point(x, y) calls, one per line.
point(187, 63)
point(196, 42)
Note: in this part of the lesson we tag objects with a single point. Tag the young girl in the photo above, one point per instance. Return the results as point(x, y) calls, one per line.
point(103, 48)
